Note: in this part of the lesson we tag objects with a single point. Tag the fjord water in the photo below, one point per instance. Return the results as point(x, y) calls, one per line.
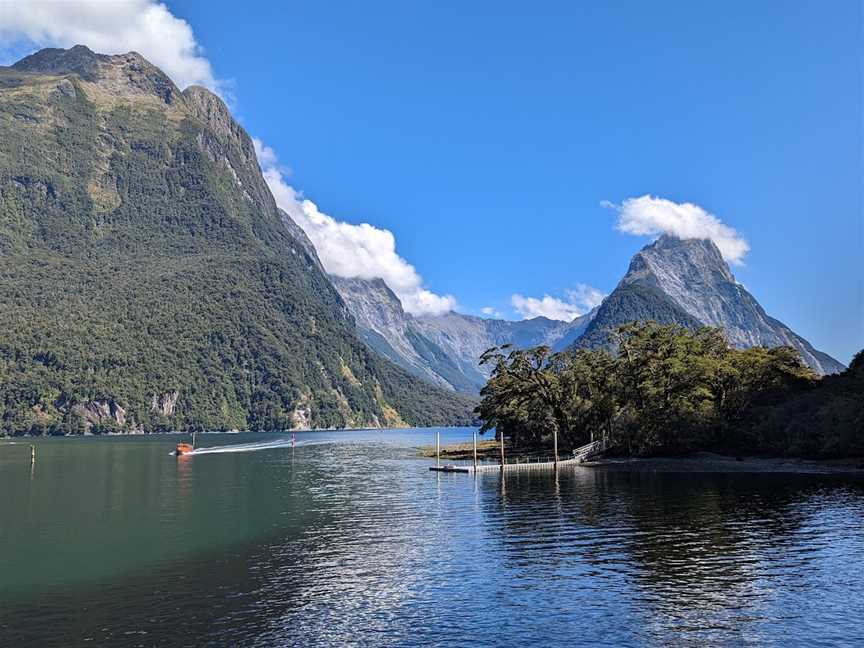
point(348, 539)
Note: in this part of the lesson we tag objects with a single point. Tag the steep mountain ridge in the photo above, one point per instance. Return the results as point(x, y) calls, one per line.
point(443, 349)
point(466, 336)
point(396, 335)
point(144, 263)
point(687, 282)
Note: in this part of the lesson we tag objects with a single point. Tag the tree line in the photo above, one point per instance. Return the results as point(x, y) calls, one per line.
point(663, 389)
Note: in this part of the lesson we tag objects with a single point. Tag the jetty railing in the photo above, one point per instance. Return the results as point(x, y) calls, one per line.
point(591, 450)
point(580, 455)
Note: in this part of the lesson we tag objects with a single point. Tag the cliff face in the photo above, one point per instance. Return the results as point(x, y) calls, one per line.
point(400, 338)
point(443, 349)
point(147, 278)
point(684, 282)
point(466, 337)
point(687, 282)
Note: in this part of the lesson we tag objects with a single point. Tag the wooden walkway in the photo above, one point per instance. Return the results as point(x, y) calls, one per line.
point(580, 455)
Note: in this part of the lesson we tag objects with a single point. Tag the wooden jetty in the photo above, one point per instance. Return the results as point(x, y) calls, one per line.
point(580, 455)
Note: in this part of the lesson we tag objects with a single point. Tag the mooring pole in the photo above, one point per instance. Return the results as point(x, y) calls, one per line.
point(32, 454)
point(555, 438)
point(502, 449)
point(475, 450)
point(438, 448)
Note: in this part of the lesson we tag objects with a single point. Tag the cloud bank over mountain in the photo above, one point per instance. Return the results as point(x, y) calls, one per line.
point(643, 216)
point(142, 26)
point(650, 216)
point(349, 250)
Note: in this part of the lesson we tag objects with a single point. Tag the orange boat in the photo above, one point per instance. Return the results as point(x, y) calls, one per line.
point(183, 448)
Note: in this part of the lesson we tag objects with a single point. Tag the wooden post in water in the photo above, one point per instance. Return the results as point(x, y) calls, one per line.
point(555, 438)
point(438, 448)
point(32, 454)
point(475, 450)
point(502, 450)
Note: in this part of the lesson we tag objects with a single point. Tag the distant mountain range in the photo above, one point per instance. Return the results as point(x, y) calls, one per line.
point(443, 349)
point(149, 281)
point(682, 281)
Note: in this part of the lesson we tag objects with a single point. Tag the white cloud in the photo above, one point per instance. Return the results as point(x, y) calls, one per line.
point(266, 156)
point(551, 307)
point(143, 26)
point(490, 311)
point(579, 301)
point(587, 297)
point(349, 250)
point(648, 215)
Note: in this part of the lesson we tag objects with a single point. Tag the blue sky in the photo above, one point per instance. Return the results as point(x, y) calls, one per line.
point(485, 135)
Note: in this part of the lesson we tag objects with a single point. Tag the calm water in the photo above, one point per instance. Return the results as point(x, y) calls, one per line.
point(349, 540)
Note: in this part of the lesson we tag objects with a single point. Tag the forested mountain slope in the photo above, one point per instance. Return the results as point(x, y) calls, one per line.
point(147, 278)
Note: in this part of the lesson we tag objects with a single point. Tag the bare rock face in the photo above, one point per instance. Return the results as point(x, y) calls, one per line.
point(443, 349)
point(127, 73)
point(301, 418)
point(687, 281)
point(210, 109)
point(389, 330)
point(166, 403)
point(67, 89)
point(467, 337)
point(98, 412)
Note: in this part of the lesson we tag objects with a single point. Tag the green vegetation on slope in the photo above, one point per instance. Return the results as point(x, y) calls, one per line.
point(629, 303)
point(668, 390)
point(142, 259)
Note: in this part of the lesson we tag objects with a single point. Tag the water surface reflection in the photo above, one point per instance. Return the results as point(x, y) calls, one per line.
point(353, 542)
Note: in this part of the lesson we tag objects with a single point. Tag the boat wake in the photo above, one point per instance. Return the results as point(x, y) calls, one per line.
point(249, 447)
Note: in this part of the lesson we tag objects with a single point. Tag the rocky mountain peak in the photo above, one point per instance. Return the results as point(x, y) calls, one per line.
point(372, 301)
point(687, 282)
point(123, 74)
point(209, 108)
point(80, 60)
point(671, 259)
